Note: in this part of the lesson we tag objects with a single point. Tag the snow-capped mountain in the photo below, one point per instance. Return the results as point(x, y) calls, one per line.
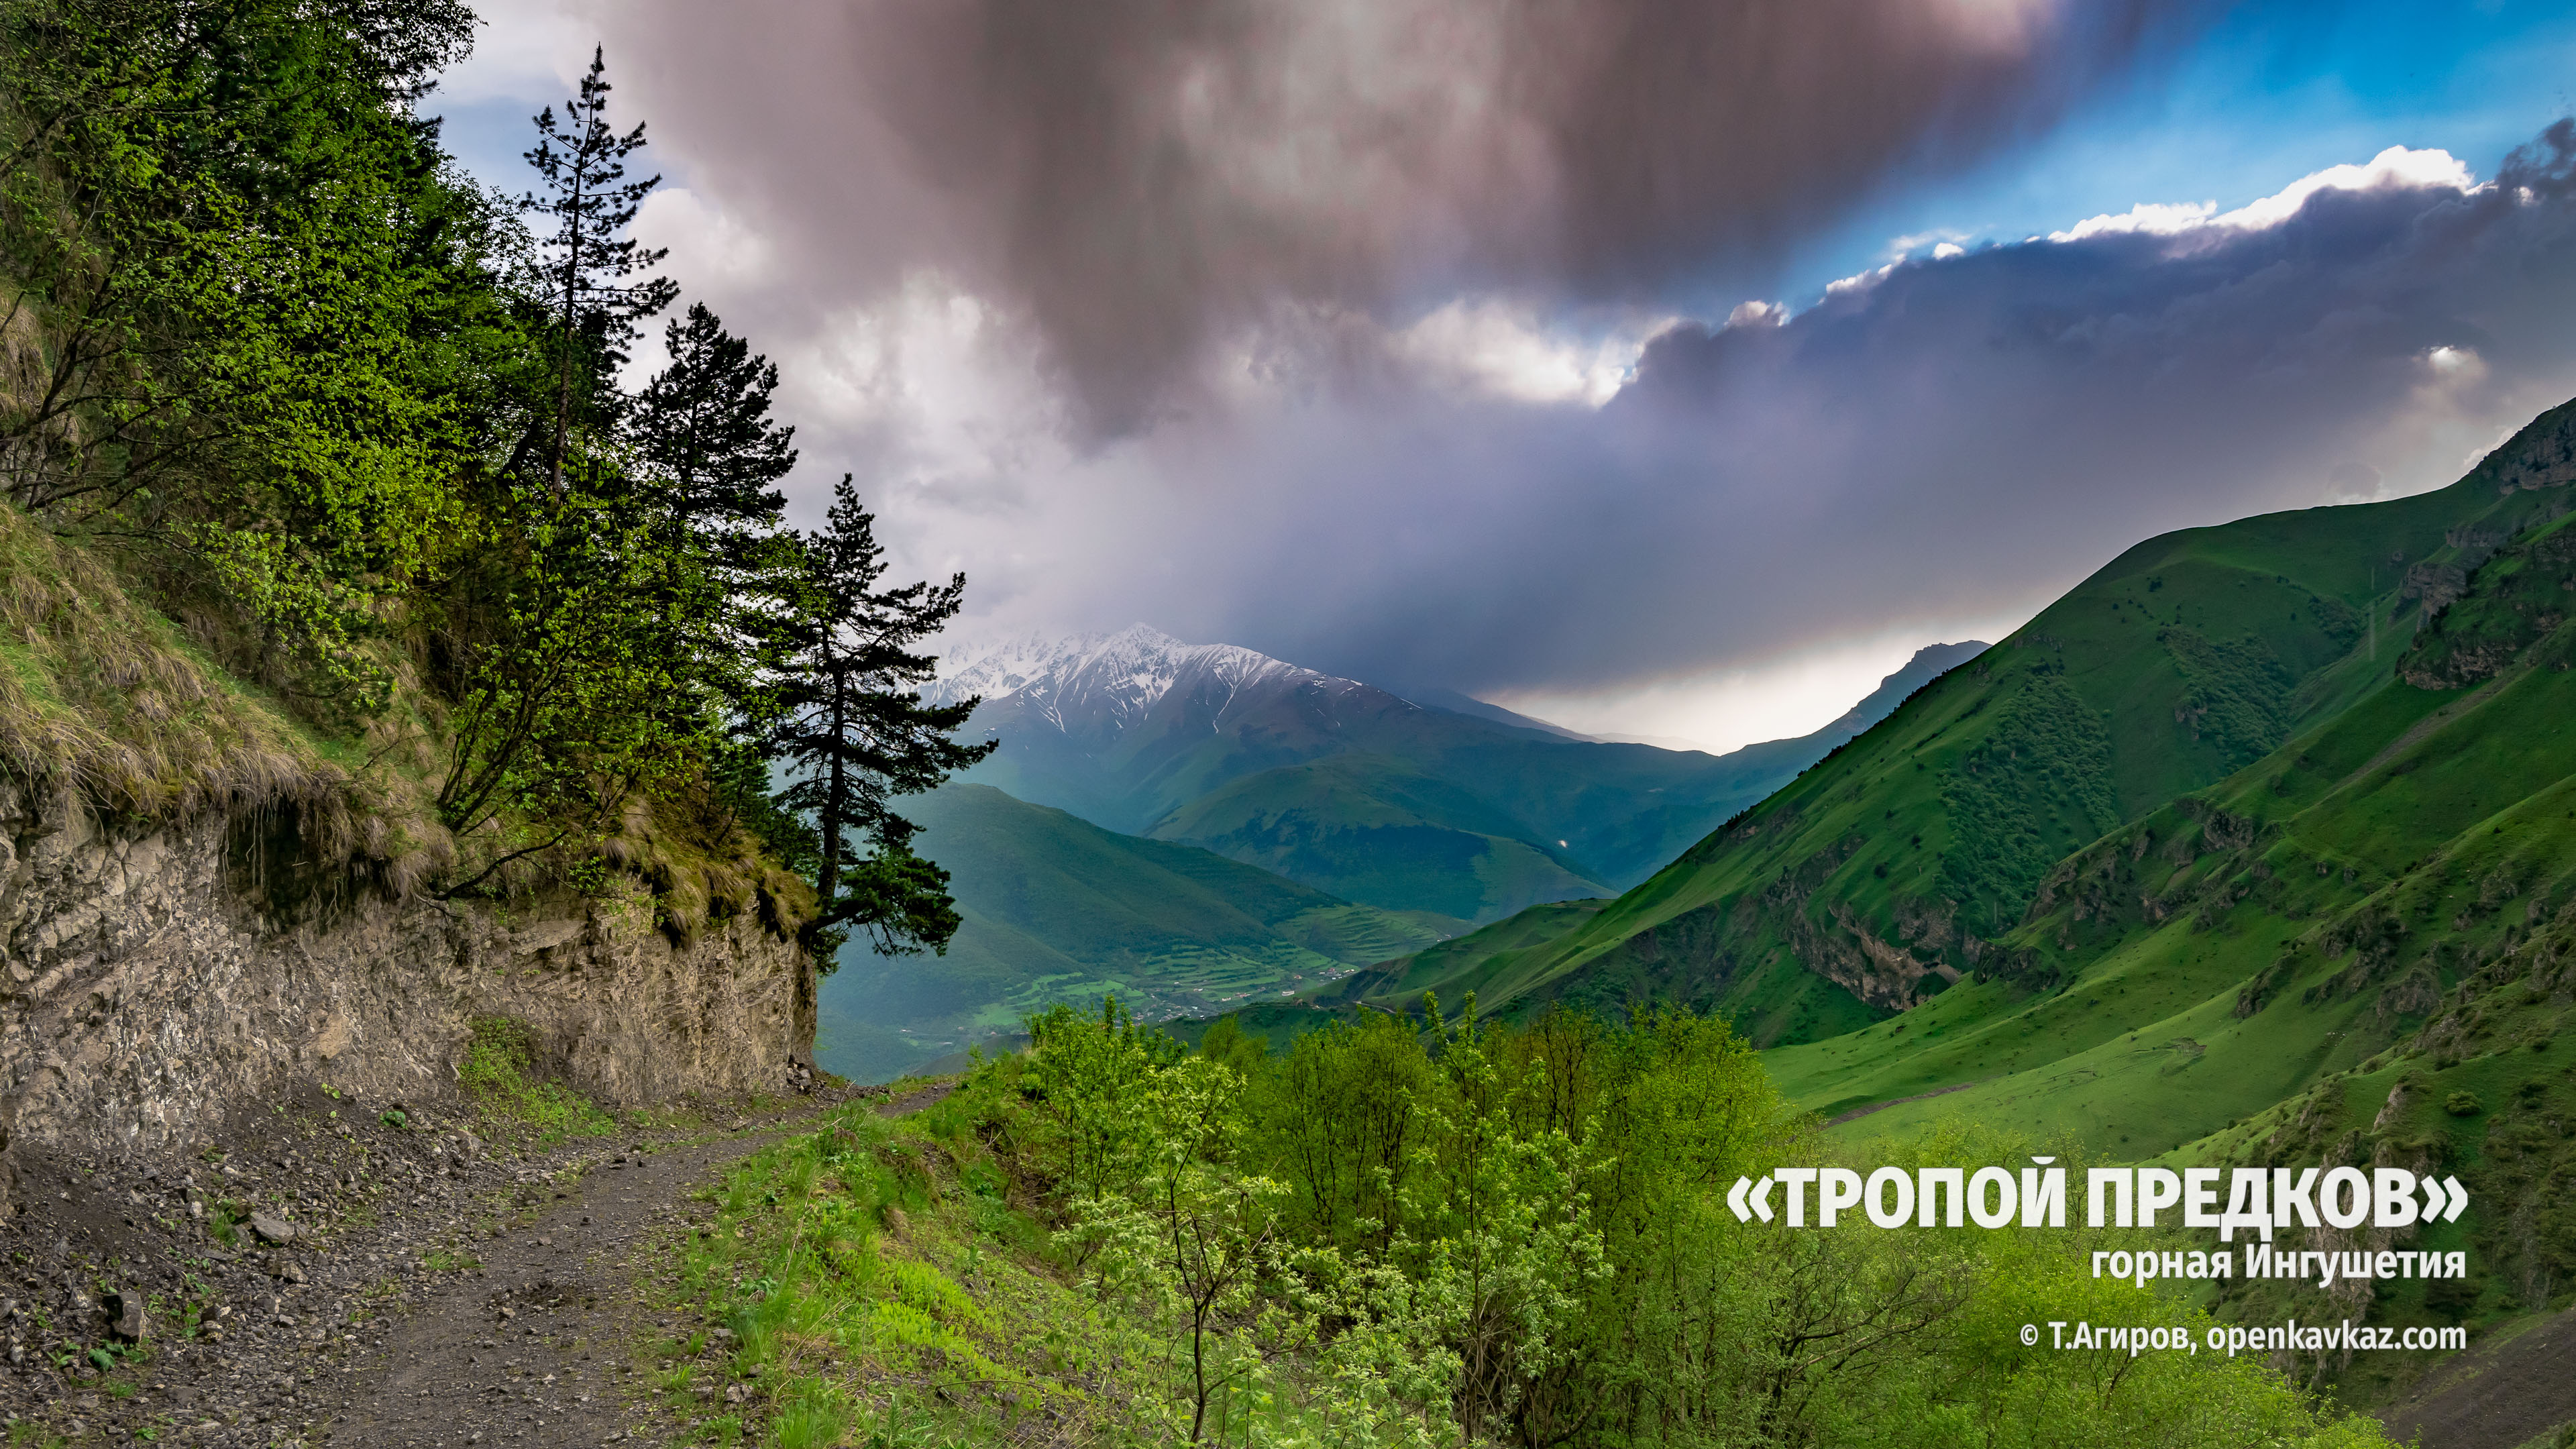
point(1095, 684)
point(1350, 788)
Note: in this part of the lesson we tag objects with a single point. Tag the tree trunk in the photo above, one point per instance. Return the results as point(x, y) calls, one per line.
point(827, 881)
point(572, 289)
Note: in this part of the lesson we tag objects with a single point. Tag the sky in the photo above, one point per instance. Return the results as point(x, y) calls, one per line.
point(1666, 368)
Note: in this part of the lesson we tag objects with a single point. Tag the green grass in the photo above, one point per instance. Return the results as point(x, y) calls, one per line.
point(880, 1287)
point(2244, 655)
point(1376, 829)
point(2453, 837)
point(502, 1072)
point(2226, 847)
point(106, 695)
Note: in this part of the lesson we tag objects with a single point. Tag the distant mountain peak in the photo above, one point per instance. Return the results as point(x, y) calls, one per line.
point(1110, 679)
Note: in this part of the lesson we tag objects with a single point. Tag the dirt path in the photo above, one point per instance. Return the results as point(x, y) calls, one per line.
point(2496, 1395)
point(536, 1347)
point(1856, 1113)
point(398, 1282)
point(2446, 715)
point(531, 1348)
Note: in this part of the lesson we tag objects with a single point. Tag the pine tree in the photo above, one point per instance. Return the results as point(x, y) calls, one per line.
point(590, 263)
point(851, 728)
point(703, 430)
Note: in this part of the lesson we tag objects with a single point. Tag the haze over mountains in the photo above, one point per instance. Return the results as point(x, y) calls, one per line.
point(2254, 804)
point(1354, 789)
point(1057, 909)
point(1194, 827)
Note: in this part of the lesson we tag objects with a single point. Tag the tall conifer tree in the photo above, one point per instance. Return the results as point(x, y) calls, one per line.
point(591, 267)
point(703, 428)
point(853, 731)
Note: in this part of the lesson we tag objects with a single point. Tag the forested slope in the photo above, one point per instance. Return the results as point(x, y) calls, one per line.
point(374, 625)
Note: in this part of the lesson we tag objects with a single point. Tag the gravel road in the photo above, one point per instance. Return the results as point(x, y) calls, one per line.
point(416, 1287)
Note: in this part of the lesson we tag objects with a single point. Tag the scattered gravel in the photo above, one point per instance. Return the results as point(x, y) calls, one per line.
point(393, 1285)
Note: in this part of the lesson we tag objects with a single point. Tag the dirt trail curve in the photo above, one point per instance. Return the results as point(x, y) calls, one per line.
point(532, 1349)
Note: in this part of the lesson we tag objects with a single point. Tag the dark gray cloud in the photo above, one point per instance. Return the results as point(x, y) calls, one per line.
point(1961, 436)
point(1958, 439)
point(1143, 178)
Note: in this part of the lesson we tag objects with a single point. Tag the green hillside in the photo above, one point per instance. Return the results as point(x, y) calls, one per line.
point(2226, 951)
point(2360, 949)
point(1901, 864)
point(1373, 829)
point(1056, 909)
point(2257, 848)
point(1258, 769)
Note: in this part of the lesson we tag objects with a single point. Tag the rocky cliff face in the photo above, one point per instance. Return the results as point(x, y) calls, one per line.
point(152, 980)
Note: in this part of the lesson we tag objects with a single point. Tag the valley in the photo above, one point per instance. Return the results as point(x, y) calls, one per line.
point(1394, 827)
point(1351, 788)
point(1056, 909)
point(571, 875)
point(2258, 847)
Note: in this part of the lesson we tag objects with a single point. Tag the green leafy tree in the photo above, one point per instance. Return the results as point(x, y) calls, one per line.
point(1564, 1268)
point(228, 352)
point(567, 703)
point(851, 729)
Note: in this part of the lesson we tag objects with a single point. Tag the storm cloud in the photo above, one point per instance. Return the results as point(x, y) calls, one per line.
point(1284, 326)
point(1939, 441)
point(1144, 180)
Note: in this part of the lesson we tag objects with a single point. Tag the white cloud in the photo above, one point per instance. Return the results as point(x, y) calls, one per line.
point(1859, 281)
point(522, 49)
point(2454, 361)
point(2156, 218)
point(2396, 166)
point(709, 246)
point(1506, 349)
point(1942, 240)
point(1773, 699)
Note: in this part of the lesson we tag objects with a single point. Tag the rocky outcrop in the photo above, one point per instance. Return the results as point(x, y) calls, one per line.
point(152, 980)
point(2439, 585)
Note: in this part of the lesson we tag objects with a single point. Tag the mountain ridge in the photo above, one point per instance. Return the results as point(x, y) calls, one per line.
point(1135, 731)
point(1054, 908)
point(1906, 861)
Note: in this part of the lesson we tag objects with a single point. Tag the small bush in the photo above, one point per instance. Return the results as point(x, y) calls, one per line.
point(223, 1223)
point(2462, 1104)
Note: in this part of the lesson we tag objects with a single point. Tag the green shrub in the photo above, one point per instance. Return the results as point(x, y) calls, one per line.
point(2462, 1104)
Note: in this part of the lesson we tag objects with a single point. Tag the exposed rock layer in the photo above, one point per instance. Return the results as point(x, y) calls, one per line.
point(150, 981)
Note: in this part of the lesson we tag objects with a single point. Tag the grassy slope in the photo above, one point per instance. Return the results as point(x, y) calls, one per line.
point(2358, 949)
point(110, 696)
point(1860, 888)
point(104, 694)
point(2329, 916)
point(1056, 909)
point(2181, 958)
point(1371, 828)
